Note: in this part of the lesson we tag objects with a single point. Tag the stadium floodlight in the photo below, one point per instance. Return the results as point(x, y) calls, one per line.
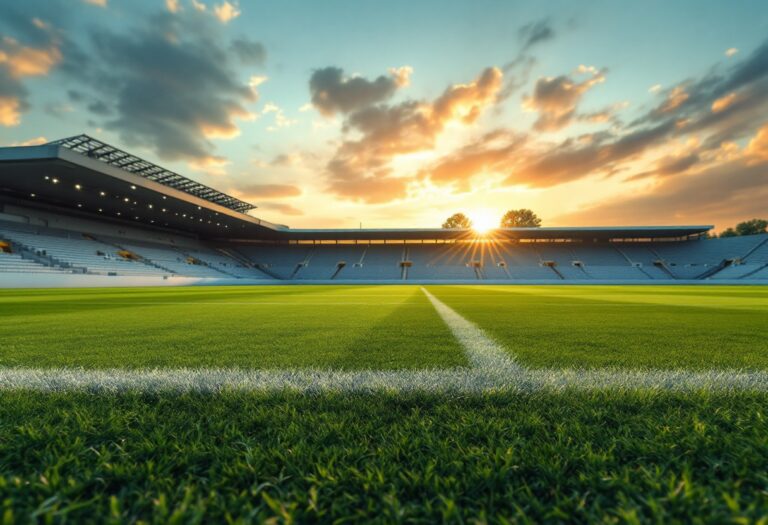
point(133, 187)
point(126, 199)
point(55, 180)
point(78, 187)
point(103, 193)
point(32, 195)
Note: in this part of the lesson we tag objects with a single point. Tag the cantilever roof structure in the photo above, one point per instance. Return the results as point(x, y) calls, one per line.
point(113, 156)
point(88, 177)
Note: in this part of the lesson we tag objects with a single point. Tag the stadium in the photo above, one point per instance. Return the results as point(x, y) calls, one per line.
point(78, 210)
point(196, 327)
point(353, 373)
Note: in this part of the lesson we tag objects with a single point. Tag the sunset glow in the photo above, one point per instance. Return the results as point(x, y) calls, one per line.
point(500, 105)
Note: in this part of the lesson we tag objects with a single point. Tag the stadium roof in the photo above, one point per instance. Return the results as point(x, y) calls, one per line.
point(85, 176)
point(95, 149)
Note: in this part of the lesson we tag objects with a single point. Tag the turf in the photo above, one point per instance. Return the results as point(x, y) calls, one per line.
point(608, 457)
point(247, 327)
point(690, 327)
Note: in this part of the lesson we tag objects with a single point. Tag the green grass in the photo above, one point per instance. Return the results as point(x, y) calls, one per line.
point(691, 327)
point(606, 457)
point(238, 457)
point(339, 327)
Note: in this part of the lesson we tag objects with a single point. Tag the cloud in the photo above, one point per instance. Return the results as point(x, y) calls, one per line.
point(269, 191)
point(757, 149)
point(724, 194)
point(171, 95)
point(702, 108)
point(731, 51)
point(172, 6)
point(31, 142)
point(280, 121)
point(10, 110)
point(494, 152)
point(226, 12)
point(655, 88)
point(249, 52)
point(285, 209)
point(535, 32)
point(99, 3)
point(361, 168)
point(675, 99)
point(19, 61)
point(212, 165)
point(556, 98)
point(332, 92)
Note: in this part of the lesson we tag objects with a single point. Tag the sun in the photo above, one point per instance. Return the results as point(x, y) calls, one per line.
point(483, 221)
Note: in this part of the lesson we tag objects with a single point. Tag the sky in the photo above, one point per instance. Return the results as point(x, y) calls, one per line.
point(397, 114)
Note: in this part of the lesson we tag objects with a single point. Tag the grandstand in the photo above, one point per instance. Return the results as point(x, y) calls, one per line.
point(80, 207)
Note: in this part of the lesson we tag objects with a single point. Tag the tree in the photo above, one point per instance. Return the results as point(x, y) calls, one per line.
point(457, 220)
point(522, 218)
point(751, 227)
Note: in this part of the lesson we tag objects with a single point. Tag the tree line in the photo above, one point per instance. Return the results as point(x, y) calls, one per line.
point(750, 227)
point(525, 218)
point(522, 218)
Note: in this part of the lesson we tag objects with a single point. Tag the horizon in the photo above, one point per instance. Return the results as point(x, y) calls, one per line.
point(590, 115)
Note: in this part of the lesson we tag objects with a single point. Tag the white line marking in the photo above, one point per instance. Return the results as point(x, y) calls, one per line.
point(482, 351)
point(494, 370)
point(457, 380)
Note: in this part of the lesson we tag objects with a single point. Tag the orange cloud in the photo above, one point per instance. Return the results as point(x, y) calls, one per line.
point(675, 99)
point(556, 98)
point(31, 142)
point(268, 191)
point(226, 129)
point(466, 102)
point(212, 165)
point(361, 169)
point(757, 149)
point(724, 102)
point(10, 111)
point(22, 61)
point(226, 12)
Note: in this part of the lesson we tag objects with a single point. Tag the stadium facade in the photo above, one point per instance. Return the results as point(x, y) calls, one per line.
point(79, 212)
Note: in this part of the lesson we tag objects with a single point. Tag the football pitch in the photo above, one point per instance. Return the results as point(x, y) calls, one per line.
point(385, 403)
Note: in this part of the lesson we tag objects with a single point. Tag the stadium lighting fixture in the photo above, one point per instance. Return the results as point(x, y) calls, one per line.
point(78, 187)
point(133, 187)
point(47, 177)
point(103, 193)
point(55, 181)
point(126, 199)
point(32, 195)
